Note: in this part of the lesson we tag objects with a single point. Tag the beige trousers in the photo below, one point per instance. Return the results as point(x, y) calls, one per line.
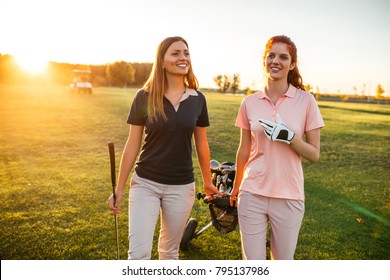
point(146, 199)
point(284, 216)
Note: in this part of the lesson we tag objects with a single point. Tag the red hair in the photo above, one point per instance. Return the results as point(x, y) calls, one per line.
point(294, 77)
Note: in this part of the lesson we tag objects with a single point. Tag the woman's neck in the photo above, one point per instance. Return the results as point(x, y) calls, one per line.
point(276, 88)
point(175, 85)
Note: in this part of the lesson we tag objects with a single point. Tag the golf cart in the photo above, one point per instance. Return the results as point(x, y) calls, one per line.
point(81, 81)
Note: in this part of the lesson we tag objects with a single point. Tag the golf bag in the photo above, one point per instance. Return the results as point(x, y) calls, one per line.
point(223, 216)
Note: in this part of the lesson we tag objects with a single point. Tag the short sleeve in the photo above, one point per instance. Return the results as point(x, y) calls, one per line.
point(242, 117)
point(203, 119)
point(138, 111)
point(314, 118)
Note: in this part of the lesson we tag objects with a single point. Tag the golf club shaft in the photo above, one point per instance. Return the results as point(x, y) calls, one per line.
point(111, 150)
point(117, 237)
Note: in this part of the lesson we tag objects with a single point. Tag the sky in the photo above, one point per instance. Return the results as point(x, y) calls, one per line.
point(343, 46)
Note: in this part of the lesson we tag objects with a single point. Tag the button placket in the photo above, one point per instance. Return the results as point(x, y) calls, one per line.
point(276, 107)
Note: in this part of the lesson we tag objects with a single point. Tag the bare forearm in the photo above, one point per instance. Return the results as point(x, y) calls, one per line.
point(127, 162)
point(203, 153)
point(242, 157)
point(309, 149)
point(129, 156)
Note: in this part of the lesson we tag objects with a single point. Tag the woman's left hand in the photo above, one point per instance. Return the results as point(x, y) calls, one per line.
point(210, 190)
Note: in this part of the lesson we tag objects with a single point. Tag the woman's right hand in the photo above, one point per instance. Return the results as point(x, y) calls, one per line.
point(233, 197)
point(115, 208)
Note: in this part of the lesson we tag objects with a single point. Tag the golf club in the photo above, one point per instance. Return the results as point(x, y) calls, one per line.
point(111, 150)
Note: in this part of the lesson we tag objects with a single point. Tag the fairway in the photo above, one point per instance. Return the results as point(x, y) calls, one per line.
point(55, 178)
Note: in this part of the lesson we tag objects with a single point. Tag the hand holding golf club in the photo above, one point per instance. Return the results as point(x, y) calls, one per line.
point(114, 201)
point(277, 131)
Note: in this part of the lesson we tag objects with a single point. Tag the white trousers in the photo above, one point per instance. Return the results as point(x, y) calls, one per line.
point(146, 199)
point(285, 219)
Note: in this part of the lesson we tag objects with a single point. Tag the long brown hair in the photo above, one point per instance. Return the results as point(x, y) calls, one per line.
point(294, 77)
point(157, 82)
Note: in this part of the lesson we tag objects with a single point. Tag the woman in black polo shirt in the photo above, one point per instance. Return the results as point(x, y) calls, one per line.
point(170, 111)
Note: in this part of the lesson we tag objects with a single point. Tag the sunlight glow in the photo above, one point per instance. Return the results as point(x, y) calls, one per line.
point(100, 32)
point(31, 64)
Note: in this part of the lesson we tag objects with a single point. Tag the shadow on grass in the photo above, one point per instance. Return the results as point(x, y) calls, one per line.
point(334, 226)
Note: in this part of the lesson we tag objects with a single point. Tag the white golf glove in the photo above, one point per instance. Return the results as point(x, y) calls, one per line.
point(277, 131)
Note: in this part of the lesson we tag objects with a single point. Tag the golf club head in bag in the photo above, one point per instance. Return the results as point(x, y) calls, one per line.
point(223, 175)
point(223, 216)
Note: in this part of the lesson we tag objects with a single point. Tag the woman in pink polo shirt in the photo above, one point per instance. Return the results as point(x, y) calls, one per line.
point(279, 125)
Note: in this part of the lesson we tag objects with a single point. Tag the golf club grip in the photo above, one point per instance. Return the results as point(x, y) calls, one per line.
point(111, 150)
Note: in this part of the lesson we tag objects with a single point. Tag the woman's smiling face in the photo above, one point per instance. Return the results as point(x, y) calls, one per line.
point(278, 62)
point(177, 59)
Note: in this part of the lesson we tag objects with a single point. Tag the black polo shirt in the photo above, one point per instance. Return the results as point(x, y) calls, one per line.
point(166, 155)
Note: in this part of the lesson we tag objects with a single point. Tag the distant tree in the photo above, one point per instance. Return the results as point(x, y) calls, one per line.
point(355, 90)
point(308, 87)
point(225, 82)
point(235, 83)
point(317, 93)
point(61, 73)
point(219, 82)
point(364, 90)
point(99, 81)
point(379, 91)
point(98, 75)
point(120, 74)
point(142, 71)
point(248, 91)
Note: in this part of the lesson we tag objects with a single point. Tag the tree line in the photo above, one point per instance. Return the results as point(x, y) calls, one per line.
point(117, 74)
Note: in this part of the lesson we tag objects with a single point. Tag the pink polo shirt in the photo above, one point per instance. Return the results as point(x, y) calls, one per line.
point(274, 169)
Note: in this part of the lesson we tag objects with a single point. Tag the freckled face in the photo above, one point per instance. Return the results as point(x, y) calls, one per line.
point(278, 62)
point(177, 59)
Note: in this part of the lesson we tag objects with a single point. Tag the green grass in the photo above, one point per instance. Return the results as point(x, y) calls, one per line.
point(55, 178)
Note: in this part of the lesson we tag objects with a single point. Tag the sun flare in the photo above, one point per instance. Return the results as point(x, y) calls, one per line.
point(31, 64)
